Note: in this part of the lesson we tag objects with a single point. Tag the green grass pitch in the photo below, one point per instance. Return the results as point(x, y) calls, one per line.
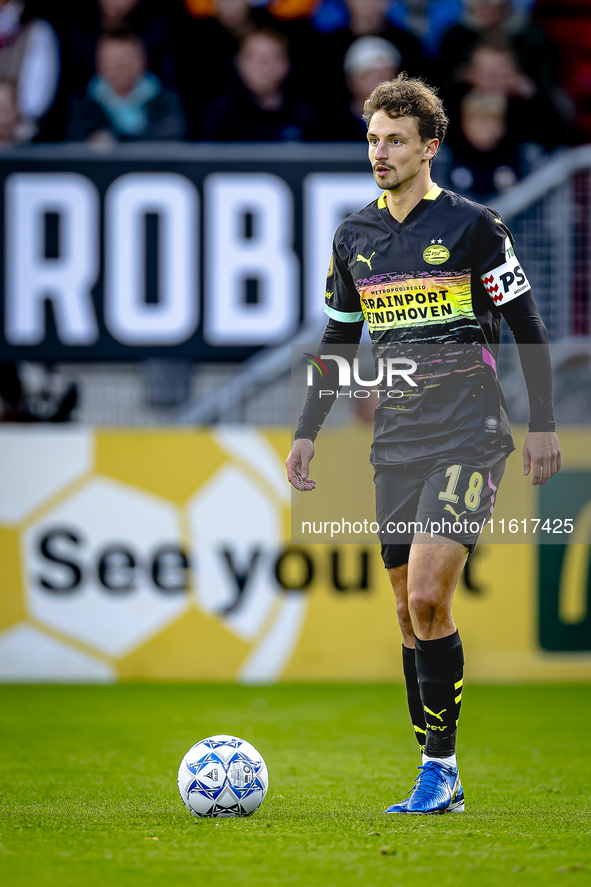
point(89, 797)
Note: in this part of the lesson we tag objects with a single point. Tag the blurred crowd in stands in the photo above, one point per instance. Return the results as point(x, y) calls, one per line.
point(515, 75)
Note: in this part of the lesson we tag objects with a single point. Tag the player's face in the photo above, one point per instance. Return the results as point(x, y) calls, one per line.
point(396, 150)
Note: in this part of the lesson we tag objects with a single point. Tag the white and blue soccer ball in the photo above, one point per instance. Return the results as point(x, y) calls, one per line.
point(223, 776)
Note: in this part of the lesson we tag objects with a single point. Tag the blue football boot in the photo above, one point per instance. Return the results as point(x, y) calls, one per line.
point(437, 789)
point(456, 805)
point(400, 808)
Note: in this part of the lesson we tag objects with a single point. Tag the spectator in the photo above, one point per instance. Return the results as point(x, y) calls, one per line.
point(369, 18)
point(569, 25)
point(486, 158)
point(260, 108)
point(144, 18)
point(500, 20)
point(87, 21)
point(124, 100)
point(367, 62)
point(207, 48)
point(30, 60)
point(366, 18)
point(493, 69)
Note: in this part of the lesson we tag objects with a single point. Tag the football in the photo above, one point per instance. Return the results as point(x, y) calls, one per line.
point(223, 776)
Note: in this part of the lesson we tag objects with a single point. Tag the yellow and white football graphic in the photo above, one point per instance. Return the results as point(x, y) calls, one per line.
point(166, 554)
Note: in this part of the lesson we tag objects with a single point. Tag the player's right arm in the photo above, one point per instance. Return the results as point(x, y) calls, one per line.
point(344, 328)
point(297, 464)
point(316, 409)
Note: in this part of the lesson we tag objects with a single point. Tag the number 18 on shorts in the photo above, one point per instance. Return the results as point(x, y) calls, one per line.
point(453, 497)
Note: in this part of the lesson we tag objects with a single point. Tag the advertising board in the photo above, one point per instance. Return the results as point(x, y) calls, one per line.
point(167, 555)
point(187, 251)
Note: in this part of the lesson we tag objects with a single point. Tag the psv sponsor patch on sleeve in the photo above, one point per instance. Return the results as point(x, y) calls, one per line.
point(506, 282)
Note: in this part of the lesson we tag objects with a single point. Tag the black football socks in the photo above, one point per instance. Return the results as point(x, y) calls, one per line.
point(440, 671)
point(413, 695)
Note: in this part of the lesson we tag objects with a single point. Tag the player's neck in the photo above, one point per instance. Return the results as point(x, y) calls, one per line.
point(402, 201)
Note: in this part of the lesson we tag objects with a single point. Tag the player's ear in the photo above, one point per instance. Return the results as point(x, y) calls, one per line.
point(431, 149)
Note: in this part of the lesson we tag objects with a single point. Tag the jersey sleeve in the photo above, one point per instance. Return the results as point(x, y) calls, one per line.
point(316, 408)
point(342, 299)
point(504, 280)
point(495, 262)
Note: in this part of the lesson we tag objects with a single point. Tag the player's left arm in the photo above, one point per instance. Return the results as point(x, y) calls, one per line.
point(541, 450)
point(508, 287)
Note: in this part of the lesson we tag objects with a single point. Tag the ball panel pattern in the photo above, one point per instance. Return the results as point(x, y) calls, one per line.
point(222, 776)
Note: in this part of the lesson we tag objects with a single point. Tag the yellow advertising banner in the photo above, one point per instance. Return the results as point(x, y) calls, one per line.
point(166, 555)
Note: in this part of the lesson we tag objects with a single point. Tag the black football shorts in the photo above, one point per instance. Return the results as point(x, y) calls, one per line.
point(440, 496)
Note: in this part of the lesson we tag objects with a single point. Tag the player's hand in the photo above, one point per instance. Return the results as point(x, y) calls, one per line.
point(298, 464)
point(541, 456)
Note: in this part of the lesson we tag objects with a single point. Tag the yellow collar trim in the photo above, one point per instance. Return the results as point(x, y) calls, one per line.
point(432, 194)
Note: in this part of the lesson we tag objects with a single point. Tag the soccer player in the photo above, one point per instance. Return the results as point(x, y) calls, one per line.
point(427, 269)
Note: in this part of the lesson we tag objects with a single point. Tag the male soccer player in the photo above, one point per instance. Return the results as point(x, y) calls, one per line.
point(427, 269)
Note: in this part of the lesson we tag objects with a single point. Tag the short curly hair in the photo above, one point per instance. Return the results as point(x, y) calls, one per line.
point(408, 96)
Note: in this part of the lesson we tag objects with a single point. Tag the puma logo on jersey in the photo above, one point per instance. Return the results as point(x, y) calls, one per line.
point(455, 514)
point(361, 258)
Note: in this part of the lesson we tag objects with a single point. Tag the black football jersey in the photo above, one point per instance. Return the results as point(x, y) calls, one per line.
point(434, 281)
